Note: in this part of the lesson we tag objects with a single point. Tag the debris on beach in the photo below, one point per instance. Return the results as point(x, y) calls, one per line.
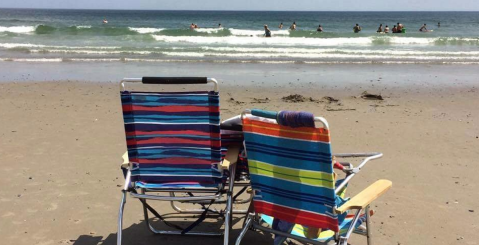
point(295, 98)
point(260, 101)
point(368, 96)
point(330, 99)
point(236, 101)
point(346, 109)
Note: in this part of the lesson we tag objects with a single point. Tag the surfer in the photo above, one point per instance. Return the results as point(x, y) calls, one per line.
point(386, 29)
point(267, 32)
point(320, 28)
point(423, 28)
point(380, 29)
point(357, 28)
point(280, 25)
point(293, 26)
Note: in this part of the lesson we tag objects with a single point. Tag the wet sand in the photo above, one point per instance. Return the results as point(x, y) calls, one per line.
point(62, 141)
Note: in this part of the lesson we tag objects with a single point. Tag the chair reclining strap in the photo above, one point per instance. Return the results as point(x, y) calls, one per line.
point(153, 211)
point(199, 220)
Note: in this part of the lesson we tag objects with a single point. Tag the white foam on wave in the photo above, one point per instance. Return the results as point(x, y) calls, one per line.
point(316, 56)
point(209, 30)
point(279, 41)
point(83, 27)
point(30, 45)
point(145, 30)
point(17, 29)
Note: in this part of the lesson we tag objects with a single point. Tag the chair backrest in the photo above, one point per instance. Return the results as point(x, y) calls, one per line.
point(291, 172)
point(173, 136)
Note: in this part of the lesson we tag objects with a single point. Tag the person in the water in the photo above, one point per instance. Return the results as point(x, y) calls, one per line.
point(386, 29)
point(320, 28)
point(380, 29)
point(438, 24)
point(280, 25)
point(293, 26)
point(192, 26)
point(423, 28)
point(357, 28)
point(267, 31)
point(395, 29)
point(400, 26)
point(219, 26)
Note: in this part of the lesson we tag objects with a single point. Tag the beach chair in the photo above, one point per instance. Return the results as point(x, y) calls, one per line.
point(174, 152)
point(295, 190)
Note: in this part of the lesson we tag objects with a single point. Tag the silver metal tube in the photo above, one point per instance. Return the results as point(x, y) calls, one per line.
point(120, 218)
point(352, 227)
point(245, 229)
point(169, 198)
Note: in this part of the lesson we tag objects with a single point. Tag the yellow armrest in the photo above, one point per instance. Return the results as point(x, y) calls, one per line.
point(365, 197)
point(126, 160)
point(231, 157)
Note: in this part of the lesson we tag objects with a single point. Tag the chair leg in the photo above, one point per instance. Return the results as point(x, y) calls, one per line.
point(245, 229)
point(228, 218)
point(368, 226)
point(120, 218)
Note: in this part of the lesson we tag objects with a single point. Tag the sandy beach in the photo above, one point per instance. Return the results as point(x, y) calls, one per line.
point(62, 141)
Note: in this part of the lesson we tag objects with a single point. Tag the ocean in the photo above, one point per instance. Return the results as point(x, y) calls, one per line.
point(32, 35)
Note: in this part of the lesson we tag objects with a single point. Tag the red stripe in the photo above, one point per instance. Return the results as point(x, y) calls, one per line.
point(191, 132)
point(214, 143)
point(171, 108)
point(176, 160)
point(297, 216)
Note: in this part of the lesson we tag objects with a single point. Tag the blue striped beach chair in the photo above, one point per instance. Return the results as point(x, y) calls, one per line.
point(174, 152)
point(295, 190)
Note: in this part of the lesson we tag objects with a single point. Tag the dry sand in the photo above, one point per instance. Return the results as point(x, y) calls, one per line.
point(61, 146)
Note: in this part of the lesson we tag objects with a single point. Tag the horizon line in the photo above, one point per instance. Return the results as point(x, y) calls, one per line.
point(241, 10)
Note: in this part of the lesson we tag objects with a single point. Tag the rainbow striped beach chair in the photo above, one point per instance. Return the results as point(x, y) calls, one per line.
point(174, 152)
point(291, 169)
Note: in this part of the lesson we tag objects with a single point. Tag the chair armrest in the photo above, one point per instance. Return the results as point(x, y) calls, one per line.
point(126, 160)
point(365, 197)
point(231, 157)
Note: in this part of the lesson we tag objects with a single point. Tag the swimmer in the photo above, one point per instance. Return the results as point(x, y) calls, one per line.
point(105, 21)
point(438, 24)
point(219, 26)
point(423, 28)
point(400, 26)
point(320, 28)
point(386, 29)
point(357, 28)
point(192, 26)
point(395, 29)
point(280, 25)
point(293, 26)
point(267, 32)
point(380, 29)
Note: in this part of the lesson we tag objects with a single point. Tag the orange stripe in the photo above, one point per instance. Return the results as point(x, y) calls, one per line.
point(316, 134)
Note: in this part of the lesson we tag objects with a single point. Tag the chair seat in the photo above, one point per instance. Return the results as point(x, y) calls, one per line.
point(177, 185)
point(324, 236)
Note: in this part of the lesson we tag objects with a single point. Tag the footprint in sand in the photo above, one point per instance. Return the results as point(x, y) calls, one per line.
point(8, 214)
point(53, 206)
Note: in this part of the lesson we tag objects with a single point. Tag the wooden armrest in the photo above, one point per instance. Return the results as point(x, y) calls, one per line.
point(231, 157)
point(126, 160)
point(365, 197)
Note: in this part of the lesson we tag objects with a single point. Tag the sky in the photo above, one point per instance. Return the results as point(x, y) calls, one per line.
point(273, 5)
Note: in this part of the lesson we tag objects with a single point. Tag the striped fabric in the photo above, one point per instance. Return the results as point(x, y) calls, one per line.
point(234, 138)
point(173, 137)
point(291, 173)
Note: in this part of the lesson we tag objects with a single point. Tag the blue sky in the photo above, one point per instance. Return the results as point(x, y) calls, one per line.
point(309, 5)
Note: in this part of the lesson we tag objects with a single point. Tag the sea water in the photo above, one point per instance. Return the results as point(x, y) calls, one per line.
point(164, 36)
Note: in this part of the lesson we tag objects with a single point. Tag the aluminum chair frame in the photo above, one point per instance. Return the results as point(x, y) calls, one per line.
point(253, 221)
point(212, 194)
